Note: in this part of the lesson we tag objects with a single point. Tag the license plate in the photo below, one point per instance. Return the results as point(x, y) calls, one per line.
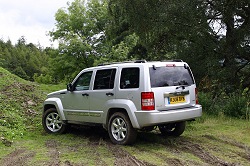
point(176, 99)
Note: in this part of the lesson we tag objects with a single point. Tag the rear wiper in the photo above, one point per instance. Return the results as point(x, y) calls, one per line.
point(186, 66)
point(182, 86)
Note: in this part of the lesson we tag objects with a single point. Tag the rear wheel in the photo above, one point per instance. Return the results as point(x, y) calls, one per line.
point(52, 122)
point(121, 130)
point(173, 129)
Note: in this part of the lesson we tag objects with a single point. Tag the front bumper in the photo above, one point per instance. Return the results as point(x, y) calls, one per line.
point(150, 118)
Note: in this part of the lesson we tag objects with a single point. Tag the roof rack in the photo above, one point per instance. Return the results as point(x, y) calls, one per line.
point(140, 61)
point(136, 61)
point(104, 64)
point(173, 60)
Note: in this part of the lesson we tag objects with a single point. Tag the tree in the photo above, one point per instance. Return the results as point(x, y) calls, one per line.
point(230, 21)
point(23, 59)
point(80, 30)
point(203, 33)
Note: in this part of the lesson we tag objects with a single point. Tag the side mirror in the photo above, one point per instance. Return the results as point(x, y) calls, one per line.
point(70, 87)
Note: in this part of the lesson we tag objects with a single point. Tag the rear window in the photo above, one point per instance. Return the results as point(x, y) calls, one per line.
point(170, 76)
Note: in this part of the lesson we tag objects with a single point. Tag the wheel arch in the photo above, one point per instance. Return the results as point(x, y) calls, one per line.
point(111, 111)
point(54, 103)
point(125, 106)
point(48, 106)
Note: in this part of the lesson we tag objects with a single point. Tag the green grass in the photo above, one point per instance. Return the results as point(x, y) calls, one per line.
point(219, 138)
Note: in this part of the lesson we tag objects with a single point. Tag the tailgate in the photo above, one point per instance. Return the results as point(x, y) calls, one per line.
point(167, 98)
point(173, 85)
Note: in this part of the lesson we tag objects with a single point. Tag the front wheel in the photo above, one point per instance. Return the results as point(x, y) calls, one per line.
point(121, 130)
point(52, 122)
point(173, 129)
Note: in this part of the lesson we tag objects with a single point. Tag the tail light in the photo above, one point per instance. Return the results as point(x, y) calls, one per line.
point(196, 96)
point(147, 101)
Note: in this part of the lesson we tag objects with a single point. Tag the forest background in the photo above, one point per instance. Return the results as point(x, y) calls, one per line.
point(213, 37)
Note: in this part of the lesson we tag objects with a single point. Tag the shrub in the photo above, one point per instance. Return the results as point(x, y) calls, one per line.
point(236, 106)
point(43, 79)
point(206, 100)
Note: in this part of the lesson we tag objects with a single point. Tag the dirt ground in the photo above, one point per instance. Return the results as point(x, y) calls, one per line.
point(123, 157)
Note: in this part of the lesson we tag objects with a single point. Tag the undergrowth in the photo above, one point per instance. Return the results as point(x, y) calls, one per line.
point(233, 105)
point(21, 105)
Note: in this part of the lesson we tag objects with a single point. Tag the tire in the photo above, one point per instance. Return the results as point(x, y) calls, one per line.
point(121, 130)
point(173, 129)
point(52, 122)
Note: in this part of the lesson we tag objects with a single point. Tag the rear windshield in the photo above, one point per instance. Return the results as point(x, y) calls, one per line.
point(170, 76)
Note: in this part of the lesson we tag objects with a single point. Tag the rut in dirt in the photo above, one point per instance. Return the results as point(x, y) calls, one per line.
point(17, 157)
point(244, 147)
point(123, 158)
point(53, 152)
point(100, 138)
point(178, 145)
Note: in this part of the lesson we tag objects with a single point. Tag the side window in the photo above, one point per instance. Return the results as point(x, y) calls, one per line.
point(83, 81)
point(104, 79)
point(129, 78)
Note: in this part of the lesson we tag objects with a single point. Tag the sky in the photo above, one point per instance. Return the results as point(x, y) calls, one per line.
point(29, 18)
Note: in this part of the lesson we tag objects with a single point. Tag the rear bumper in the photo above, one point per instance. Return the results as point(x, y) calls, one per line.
point(150, 118)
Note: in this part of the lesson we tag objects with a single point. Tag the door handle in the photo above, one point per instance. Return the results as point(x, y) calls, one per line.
point(110, 94)
point(85, 94)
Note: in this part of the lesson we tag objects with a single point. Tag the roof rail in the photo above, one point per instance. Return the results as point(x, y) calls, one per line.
point(173, 60)
point(140, 61)
point(136, 61)
point(103, 64)
point(177, 60)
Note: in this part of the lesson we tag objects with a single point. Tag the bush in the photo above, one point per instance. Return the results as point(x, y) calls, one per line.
point(43, 79)
point(236, 106)
point(206, 100)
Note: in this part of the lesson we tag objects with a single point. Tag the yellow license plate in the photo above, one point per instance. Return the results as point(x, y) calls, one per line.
point(176, 99)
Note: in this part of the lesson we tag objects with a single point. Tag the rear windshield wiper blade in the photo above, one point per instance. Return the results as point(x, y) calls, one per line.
point(182, 86)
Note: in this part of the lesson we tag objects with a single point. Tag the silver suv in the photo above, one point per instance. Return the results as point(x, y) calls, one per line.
point(126, 97)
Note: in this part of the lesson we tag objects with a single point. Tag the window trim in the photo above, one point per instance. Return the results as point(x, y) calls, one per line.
point(129, 88)
point(77, 78)
point(113, 75)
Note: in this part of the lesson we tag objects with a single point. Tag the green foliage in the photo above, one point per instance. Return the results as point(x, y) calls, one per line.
point(121, 51)
point(43, 79)
point(80, 31)
point(23, 59)
point(202, 33)
point(236, 106)
point(12, 127)
point(163, 27)
point(206, 100)
point(232, 105)
point(19, 111)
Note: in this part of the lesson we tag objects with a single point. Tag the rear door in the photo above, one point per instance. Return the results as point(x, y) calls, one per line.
point(173, 85)
point(103, 90)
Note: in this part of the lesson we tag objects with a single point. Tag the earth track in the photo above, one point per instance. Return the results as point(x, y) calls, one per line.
point(123, 158)
point(96, 139)
point(18, 157)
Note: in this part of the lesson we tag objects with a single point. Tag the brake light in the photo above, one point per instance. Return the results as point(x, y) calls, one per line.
point(196, 96)
point(147, 101)
point(170, 65)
